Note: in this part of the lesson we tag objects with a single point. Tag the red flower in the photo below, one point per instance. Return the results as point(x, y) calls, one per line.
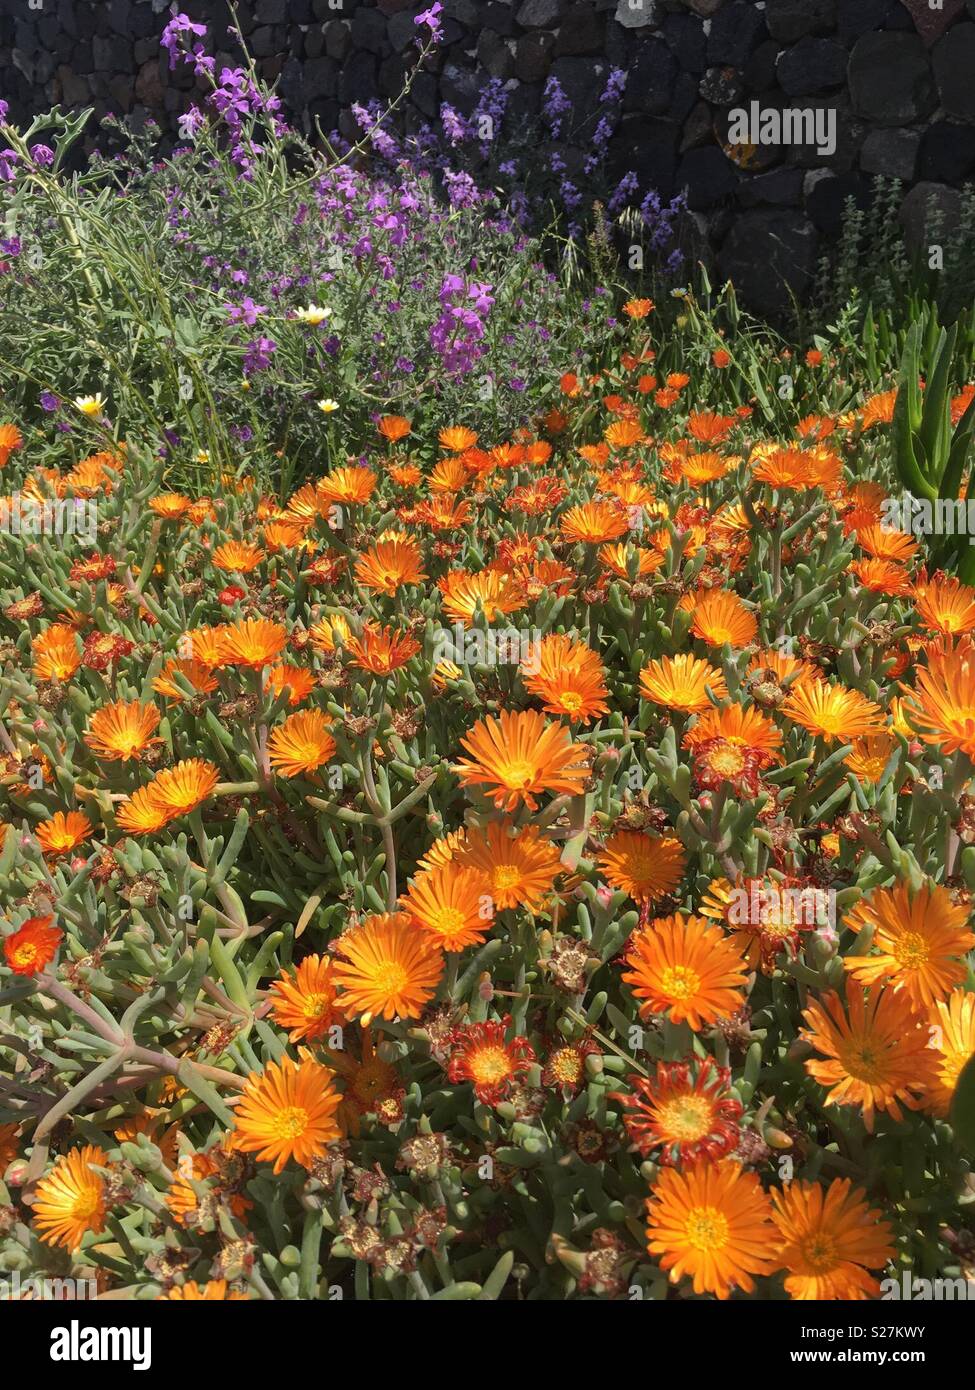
point(230, 595)
point(684, 1111)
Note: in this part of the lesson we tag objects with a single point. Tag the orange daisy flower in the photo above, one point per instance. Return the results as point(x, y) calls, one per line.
point(394, 427)
point(919, 941)
point(877, 1050)
point(482, 1054)
point(951, 1033)
point(287, 1112)
point(647, 867)
point(381, 650)
point(347, 486)
point(946, 605)
point(32, 947)
point(594, 523)
point(568, 677)
point(56, 654)
point(833, 712)
point(63, 832)
point(255, 643)
point(720, 617)
point(712, 1225)
point(828, 1241)
point(71, 1200)
point(306, 1001)
point(237, 557)
point(453, 904)
point(121, 731)
point(516, 756)
point(491, 592)
point(391, 968)
point(389, 565)
point(686, 968)
point(301, 744)
point(457, 438)
point(295, 679)
point(180, 789)
point(519, 870)
point(682, 683)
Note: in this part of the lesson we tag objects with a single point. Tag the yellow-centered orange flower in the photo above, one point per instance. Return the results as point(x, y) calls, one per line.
point(254, 642)
point(833, 712)
point(381, 650)
point(876, 1050)
point(122, 730)
point(390, 968)
point(951, 1038)
point(63, 832)
point(56, 653)
point(711, 1224)
point(389, 565)
point(919, 941)
point(237, 557)
point(517, 756)
point(71, 1200)
point(453, 904)
point(720, 617)
point(305, 1001)
point(301, 744)
point(682, 683)
point(567, 676)
point(647, 867)
point(180, 789)
point(492, 592)
point(687, 969)
point(519, 869)
point(287, 1112)
point(829, 1240)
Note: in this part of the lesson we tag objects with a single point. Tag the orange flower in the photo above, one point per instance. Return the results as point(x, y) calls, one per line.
point(10, 439)
point(686, 968)
point(306, 1001)
point(237, 557)
point(453, 904)
point(741, 725)
point(180, 789)
point(647, 867)
point(638, 308)
point(482, 1054)
point(389, 565)
point(492, 592)
point(833, 712)
point(381, 650)
point(56, 654)
point(946, 605)
point(829, 1240)
point(63, 832)
point(457, 438)
point(213, 1291)
point(682, 683)
point(877, 1053)
point(921, 939)
point(301, 744)
point(951, 1030)
point(394, 427)
point(391, 968)
point(707, 427)
point(720, 617)
point(711, 1224)
point(516, 756)
point(32, 946)
point(71, 1200)
point(296, 679)
point(519, 869)
point(121, 731)
point(594, 523)
point(568, 677)
point(254, 643)
point(169, 505)
point(347, 486)
point(287, 1112)
point(141, 814)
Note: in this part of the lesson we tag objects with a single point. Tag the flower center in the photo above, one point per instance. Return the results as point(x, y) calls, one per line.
point(448, 922)
point(490, 1064)
point(819, 1252)
point(707, 1229)
point(911, 951)
point(506, 876)
point(571, 701)
point(687, 1118)
point(315, 1005)
point(290, 1122)
point(727, 760)
point(389, 978)
point(87, 1203)
point(519, 773)
point(680, 981)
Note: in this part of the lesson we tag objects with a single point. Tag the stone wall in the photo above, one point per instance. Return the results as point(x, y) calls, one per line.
point(900, 75)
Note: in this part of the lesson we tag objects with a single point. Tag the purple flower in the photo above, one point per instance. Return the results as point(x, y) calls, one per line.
point(431, 18)
point(49, 401)
point(172, 41)
point(258, 355)
point(4, 110)
point(555, 106)
point(191, 123)
point(246, 312)
point(42, 155)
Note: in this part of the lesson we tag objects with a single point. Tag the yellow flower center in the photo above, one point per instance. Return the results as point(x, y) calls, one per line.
point(389, 978)
point(506, 877)
point(864, 1062)
point(707, 1229)
point(315, 1005)
point(571, 701)
point(490, 1064)
point(911, 951)
point(688, 1118)
point(290, 1122)
point(25, 954)
point(727, 760)
point(448, 922)
point(87, 1203)
point(680, 981)
point(567, 1066)
point(519, 773)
